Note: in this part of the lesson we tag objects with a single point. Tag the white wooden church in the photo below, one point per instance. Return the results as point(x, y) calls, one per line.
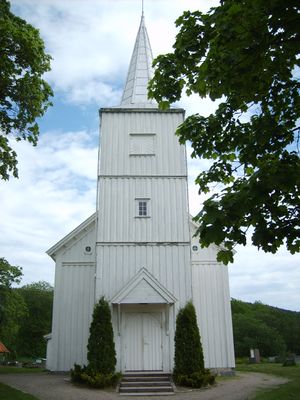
point(138, 249)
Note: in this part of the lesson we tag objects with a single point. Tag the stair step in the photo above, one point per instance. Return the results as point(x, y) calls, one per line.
point(145, 378)
point(147, 394)
point(146, 389)
point(145, 383)
point(148, 375)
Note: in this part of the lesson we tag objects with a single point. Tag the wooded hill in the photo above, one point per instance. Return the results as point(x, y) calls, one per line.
point(26, 317)
point(272, 330)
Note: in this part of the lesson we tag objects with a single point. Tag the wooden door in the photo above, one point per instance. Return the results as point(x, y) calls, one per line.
point(143, 341)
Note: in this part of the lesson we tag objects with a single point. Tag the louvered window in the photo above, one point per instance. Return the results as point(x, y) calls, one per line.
point(142, 144)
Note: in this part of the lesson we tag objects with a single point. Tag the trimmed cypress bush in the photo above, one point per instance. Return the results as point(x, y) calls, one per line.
point(101, 347)
point(84, 375)
point(189, 362)
point(188, 348)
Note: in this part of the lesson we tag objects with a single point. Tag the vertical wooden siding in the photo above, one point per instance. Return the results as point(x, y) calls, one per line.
point(73, 306)
point(116, 128)
point(212, 302)
point(118, 221)
point(169, 264)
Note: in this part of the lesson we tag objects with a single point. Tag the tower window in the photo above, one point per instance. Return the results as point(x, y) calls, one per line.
point(142, 208)
point(142, 144)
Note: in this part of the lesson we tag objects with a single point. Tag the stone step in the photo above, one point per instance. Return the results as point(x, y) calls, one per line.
point(136, 382)
point(147, 394)
point(146, 383)
point(145, 378)
point(144, 389)
point(153, 374)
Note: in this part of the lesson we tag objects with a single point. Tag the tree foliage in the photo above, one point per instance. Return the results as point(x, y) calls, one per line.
point(38, 298)
point(24, 95)
point(25, 313)
point(101, 347)
point(272, 330)
point(9, 274)
point(188, 349)
point(12, 305)
point(245, 54)
point(251, 333)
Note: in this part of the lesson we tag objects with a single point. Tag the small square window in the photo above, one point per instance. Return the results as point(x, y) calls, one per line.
point(142, 207)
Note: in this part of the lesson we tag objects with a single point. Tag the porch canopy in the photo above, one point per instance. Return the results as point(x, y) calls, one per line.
point(143, 288)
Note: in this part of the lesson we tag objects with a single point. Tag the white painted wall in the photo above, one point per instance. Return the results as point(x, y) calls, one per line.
point(160, 243)
point(116, 126)
point(211, 298)
point(212, 302)
point(123, 244)
point(168, 220)
point(169, 264)
point(74, 297)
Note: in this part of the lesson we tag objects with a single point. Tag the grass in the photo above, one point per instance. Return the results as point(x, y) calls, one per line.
point(19, 370)
point(8, 393)
point(287, 391)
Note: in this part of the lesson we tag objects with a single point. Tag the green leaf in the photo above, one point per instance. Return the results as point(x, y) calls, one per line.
point(225, 256)
point(245, 54)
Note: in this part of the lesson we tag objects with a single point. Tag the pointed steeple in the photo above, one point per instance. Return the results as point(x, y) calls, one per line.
point(140, 72)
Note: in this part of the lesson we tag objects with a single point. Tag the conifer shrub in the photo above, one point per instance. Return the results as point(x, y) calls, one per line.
point(101, 347)
point(100, 371)
point(85, 375)
point(76, 373)
point(189, 362)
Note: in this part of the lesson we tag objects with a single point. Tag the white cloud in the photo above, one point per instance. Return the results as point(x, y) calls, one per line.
point(91, 43)
point(56, 190)
point(272, 279)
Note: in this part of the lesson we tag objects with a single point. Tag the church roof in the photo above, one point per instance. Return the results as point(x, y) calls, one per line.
point(3, 349)
point(135, 92)
point(73, 235)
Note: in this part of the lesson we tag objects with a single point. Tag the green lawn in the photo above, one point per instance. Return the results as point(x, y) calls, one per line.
point(288, 391)
point(18, 370)
point(8, 393)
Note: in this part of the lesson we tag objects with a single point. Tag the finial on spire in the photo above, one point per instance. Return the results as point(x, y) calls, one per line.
point(142, 8)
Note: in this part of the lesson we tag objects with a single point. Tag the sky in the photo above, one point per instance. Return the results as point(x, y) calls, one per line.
point(91, 42)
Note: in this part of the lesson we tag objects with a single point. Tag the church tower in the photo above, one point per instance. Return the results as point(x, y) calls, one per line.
point(143, 240)
point(138, 250)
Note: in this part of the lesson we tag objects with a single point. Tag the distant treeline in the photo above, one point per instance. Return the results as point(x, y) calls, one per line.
point(25, 317)
point(26, 314)
point(272, 330)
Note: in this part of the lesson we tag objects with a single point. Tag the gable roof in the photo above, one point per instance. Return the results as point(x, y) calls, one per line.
point(217, 247)
point(143, 288)
point(85, 226)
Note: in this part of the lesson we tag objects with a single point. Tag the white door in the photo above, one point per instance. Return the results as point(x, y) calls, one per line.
point(143, 341)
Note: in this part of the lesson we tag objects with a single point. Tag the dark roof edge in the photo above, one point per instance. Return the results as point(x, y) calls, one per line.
point(141, 110)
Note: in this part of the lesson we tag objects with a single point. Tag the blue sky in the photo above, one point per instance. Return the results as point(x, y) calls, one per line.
point(91, 42)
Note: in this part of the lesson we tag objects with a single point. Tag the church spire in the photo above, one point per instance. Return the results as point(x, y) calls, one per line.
point(140, 71)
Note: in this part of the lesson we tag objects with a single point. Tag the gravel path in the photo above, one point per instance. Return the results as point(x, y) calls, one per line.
point(59, 387)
